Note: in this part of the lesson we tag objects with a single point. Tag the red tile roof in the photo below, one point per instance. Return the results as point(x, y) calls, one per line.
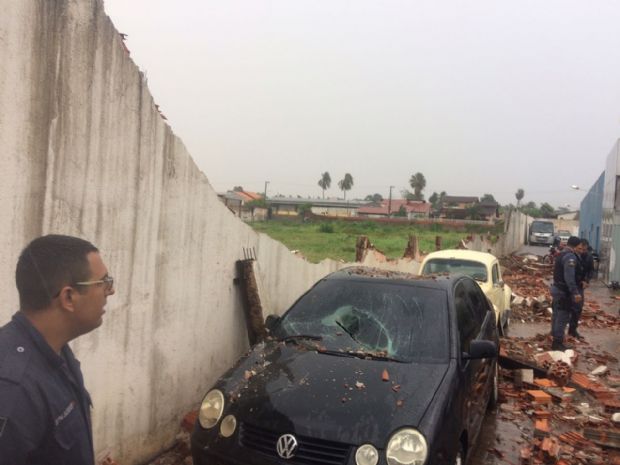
point(249, 196)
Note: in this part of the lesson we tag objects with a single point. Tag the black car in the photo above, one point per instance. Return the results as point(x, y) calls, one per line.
point(368, 367)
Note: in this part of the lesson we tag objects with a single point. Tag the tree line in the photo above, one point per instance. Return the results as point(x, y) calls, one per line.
point(417, 182)
point(345, 184)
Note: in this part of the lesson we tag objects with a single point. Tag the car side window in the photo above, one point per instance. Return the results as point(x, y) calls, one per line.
point(467, 321)
point(495, 273)
point(478, 301)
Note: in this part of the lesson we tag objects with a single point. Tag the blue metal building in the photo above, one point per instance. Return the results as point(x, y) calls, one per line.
point(610, 227)
point(591, 214)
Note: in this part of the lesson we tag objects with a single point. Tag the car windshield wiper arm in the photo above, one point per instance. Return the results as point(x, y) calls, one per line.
point(347, 331)
point(382, 357)
point(337, 353)
point(294, 337)
point(362, 355)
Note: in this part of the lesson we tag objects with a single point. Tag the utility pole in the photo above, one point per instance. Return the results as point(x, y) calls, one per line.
point(390, 202)
point(265, 194)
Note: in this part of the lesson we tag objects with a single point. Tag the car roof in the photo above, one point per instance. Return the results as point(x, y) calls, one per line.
point(357, 273)
point(460, 254)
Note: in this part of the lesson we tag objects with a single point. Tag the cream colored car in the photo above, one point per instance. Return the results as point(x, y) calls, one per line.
point(481, 266)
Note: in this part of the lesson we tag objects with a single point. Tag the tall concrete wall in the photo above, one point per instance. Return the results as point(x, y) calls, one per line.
point(85, 152)
point(510, 241)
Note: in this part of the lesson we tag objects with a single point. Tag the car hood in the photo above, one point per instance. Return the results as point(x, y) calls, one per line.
point(293, 388)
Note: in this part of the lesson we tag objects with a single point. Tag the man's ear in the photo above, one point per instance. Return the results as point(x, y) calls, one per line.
point(66, 298)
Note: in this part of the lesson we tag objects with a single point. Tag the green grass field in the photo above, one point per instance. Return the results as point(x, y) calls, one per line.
point(318, 240)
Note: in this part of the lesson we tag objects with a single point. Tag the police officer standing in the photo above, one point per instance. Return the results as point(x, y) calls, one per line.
point(45, 418)
point(583, 274)
point(565, 291)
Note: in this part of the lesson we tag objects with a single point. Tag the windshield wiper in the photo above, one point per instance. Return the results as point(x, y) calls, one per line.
point(337, 353)
point(362, 355)
point(294, 337)
point(347, 331)
point(384, 358)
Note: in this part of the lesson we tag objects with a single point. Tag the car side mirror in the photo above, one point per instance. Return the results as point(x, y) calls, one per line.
point(271, 321)
point(500, 283)
point(480, 349)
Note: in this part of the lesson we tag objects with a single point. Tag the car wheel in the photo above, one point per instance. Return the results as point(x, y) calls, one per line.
point(493, 398)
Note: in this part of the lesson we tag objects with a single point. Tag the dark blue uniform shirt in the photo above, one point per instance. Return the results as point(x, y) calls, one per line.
point(564, 272)
point(44, 407)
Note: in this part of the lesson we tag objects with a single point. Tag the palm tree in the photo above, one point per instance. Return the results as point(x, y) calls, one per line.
point(346, 184)
point(417, 183)
point(325, 182)
point(519, 196)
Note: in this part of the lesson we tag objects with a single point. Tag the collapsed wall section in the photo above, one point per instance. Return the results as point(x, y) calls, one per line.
point(85, 152)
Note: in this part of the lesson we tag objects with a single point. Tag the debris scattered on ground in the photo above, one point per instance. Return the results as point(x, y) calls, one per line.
point(530, 282)
point(565, 404)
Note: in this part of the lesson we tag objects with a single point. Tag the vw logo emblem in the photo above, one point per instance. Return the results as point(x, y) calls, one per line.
point(287, 446)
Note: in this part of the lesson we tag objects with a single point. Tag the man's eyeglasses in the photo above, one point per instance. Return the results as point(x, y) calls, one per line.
point(107, 281)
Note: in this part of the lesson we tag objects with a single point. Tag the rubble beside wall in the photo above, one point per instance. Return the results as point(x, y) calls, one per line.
point(85, 152)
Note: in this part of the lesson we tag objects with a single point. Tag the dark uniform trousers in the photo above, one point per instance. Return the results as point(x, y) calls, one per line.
point(563, 292)
point(583, 274)
point(44, 407)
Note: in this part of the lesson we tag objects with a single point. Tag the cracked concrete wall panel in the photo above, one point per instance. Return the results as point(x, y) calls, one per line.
point(22, 166)
point(85, 152)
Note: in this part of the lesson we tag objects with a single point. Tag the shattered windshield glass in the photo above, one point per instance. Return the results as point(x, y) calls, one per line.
point(372, 319)
point(475, 270)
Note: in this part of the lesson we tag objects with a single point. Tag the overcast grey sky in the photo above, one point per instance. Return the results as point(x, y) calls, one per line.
point(480, 95)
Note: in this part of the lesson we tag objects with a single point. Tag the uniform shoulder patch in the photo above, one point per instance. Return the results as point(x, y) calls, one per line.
point(571, 262)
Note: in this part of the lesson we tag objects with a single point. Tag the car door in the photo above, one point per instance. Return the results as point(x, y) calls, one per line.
point(496, 293)
point(505, 296)
point(483, 371)
point(469, 327)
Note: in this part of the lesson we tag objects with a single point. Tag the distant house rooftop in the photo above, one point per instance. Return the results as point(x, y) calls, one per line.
point(240, 196)
point(318, 202)
point(460, 199)
point(384, 208)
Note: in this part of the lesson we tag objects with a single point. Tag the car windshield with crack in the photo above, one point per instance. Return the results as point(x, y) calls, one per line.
point(381, 321)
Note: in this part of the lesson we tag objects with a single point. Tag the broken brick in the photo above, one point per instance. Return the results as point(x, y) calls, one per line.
point(611, 405)
point(539, 397)
point(189, 420)
point(541, 428)
point(542, 414)
point(575, 439)
point(544, 382)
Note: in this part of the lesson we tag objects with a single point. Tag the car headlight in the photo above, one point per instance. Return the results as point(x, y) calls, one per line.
point(211, 408)
point(366, 455)
point(228, 426)
point(406, 447)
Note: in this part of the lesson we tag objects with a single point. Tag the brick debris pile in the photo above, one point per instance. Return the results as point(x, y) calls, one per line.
point(530, 280)
point(566, 407)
